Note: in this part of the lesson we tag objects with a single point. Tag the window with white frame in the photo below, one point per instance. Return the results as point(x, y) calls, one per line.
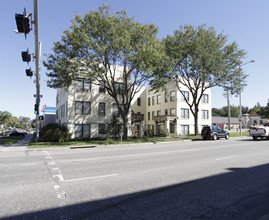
point(102, 108)
point(205, 98)
point(184, 129)
point(82, 108)
point(186, 95)
point(116, 111)
point(149, 116)
point(205, 114)
point(158, 112)
point(102, 88)
point(172, 111)
point(165, 97)
point(119, 88)
point(153, 115)
point(172, 96)
point(185, 113)
point(148, 101)
point(82, 84)
point(153, 100)
point(82, 130)
point(158, 99)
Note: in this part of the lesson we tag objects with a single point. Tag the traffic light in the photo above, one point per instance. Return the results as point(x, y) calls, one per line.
point(41, 118)
point(26, 56)
point(36, 109)
point(29, 72)
point(23, 23)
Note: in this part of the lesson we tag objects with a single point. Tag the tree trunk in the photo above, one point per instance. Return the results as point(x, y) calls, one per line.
point(125, 127)
point(196, 132)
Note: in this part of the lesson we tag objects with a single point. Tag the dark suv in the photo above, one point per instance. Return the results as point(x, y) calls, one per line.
point(214, 132)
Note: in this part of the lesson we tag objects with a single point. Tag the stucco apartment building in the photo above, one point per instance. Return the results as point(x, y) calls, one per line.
point(167, 112)
point(85, 108)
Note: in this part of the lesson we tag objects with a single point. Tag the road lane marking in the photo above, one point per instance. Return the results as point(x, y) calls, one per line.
point(229, 157)
point(92, 177)
point(28, 164)
point(56, 175)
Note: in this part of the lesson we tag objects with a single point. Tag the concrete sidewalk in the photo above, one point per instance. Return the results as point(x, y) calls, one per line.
point(21, 145)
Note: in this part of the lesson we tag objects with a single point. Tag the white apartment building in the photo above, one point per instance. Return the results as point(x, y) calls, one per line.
point(168, 112)
point(86, 108)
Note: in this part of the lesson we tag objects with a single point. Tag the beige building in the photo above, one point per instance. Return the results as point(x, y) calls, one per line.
point(86, 108)
point(168, 113)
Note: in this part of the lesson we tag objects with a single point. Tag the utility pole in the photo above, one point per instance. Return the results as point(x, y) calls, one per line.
point(37, 68)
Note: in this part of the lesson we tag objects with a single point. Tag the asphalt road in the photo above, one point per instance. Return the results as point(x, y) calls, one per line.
point(224, 179)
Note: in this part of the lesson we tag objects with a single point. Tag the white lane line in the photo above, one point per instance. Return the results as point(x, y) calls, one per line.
point(125, 156)
point(229, 157)
point(92, 177)
point(28, 164)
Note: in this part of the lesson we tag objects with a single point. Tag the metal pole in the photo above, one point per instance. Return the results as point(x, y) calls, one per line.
point(240, 106)
point(37, 66)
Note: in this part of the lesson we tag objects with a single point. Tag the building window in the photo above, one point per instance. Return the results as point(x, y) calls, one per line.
point(184, 129)
point(66, 106)
point(139, 102)
point(158, 99)
point(101, 129)
point(184, 113)
point(205, 98)
point(186, 95)
point(153, 115)
point(102, 88)
point(166, 111)
point(172, 111)
point(119, 88)
point(165, 97)
point(159, 113)
point(82, 130)
point(102, 109)
point(149, 116)
point(148, 101)
point(172, 96)
point(57, 99)
point(153, 100)
point(205, 114)
point(63, 110)
point(82, 108)
point(116, 111)
point(82, 84)
point(172, 128)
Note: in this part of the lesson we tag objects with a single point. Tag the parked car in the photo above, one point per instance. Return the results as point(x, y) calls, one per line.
point(214, 132)
point(16, 133)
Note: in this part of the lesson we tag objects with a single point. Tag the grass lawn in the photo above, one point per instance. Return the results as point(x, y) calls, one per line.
point(237, 134)
point(93, 143)
point(10, 140)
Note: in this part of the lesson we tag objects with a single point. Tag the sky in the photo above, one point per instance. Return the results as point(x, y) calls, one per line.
point(243, 21)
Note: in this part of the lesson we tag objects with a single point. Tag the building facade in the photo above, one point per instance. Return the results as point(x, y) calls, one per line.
point(86, 108)
point(167, 113)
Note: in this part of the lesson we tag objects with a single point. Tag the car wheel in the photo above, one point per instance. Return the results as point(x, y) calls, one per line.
point(227, 136)
point(204, 138)
point(215, 137)
point(254, 138)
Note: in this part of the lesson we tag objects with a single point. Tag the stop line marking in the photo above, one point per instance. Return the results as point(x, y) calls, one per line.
point(228, 157)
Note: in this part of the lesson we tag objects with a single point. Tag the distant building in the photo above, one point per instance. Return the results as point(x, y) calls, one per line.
point(49, 115)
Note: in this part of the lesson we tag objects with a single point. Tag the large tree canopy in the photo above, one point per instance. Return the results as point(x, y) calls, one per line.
point(96, 43)
point(200, 59)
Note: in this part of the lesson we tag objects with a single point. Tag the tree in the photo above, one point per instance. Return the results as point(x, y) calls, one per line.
point(4, 117)
point(25, 121)
point(99, 41)
point(256, 109)
point(264, 112)
point(113, 128)
point(200, 59)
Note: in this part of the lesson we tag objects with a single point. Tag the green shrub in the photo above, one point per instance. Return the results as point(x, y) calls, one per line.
point(148, 133)
point(54, 133)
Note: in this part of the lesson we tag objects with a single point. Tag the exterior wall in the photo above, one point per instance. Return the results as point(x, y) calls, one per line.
point(67, 98)
point(174, 122)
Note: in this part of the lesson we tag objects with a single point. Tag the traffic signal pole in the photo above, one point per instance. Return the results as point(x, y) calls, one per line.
point(37, 68)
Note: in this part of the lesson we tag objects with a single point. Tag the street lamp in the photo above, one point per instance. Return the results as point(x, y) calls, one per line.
point(240, 97)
